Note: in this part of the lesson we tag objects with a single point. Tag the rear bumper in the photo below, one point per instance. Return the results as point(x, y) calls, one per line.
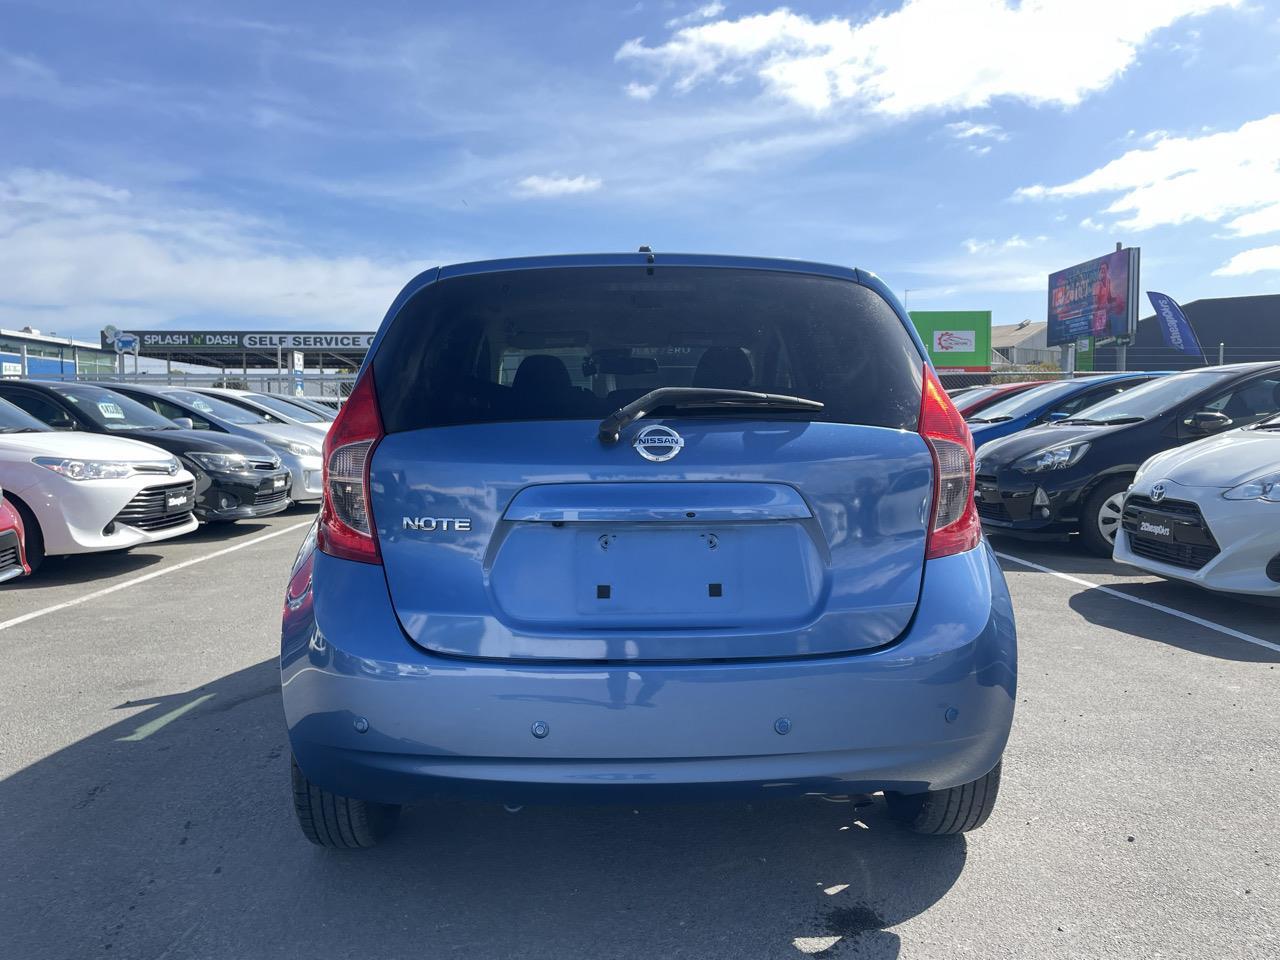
point(932, 710)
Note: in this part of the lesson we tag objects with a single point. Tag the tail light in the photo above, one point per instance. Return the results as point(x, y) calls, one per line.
point(346, 516)
point(954, 526)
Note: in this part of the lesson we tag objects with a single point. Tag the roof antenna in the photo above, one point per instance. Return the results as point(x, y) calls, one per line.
point(645, 248)
point(648, 256)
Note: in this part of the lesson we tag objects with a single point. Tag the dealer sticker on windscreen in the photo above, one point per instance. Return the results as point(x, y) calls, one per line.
point(110, 410)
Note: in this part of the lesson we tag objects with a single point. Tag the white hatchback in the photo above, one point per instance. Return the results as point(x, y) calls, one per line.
point(85, 492)
point(1209, 512)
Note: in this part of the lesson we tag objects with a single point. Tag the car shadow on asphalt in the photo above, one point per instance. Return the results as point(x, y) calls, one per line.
point(1065, 557)
point(85, 568)
point(1141, 621)
point(170, 833)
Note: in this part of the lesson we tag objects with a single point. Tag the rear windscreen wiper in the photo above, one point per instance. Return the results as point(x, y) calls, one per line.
point(988, 419)
point(612, 426)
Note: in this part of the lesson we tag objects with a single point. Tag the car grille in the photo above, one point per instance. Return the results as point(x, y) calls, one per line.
point(146, 511)
point(8, 552)
point(155, 467)
point(267, 498)
point(259, 463)
point(1196, 545)
point(992, 511)
point(989, 509)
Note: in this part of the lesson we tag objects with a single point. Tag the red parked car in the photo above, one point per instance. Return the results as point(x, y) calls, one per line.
point(13, 555)
point(978, 398)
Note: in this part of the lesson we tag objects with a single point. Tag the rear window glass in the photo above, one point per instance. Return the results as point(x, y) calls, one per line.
point(579, 342)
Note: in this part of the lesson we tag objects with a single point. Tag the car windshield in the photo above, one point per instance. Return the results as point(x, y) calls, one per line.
point(1029, 400)
point(285, 408)
point(112, 411)
point(214, 407)
point(16, 420)
point(1154, 398)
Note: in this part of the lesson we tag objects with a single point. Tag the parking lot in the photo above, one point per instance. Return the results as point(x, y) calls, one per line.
point(144, 770)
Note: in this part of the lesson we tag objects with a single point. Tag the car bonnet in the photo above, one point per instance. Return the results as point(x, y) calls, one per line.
point(1223, 461)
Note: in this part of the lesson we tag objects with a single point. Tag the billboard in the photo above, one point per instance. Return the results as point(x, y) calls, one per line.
point(1098, 298)
point(956, 339)
point(237, 340)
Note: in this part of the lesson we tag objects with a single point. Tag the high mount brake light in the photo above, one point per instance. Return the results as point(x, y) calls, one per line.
point(346, 526)
point(954, 525)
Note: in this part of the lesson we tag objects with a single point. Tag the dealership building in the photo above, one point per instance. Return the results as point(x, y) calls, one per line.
point(30, 353)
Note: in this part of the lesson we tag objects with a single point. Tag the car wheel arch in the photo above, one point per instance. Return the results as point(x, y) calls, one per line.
point(33, 546)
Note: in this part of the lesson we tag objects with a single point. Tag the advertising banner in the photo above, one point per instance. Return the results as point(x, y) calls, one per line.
point(1094, 299)
point(1175, 328)
point(956, 339)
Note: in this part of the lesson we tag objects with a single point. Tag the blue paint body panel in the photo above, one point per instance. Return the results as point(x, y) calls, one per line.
point(846, 575)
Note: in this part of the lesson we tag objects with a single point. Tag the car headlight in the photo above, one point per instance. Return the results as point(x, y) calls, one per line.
point(295, 448)
point(221, 462)
point(1054, 458)
point(86, 469)
point(1263, 488)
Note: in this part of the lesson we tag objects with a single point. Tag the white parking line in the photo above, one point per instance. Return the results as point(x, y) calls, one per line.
point(1239, 635)
point(147, 729)
point(16, 621)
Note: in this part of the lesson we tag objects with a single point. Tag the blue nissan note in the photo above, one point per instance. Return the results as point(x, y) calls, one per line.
point(645, 526)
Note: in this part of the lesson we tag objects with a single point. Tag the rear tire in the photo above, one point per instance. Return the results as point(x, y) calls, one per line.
point(1100, 517)
point(943, 812)
point(340, 823)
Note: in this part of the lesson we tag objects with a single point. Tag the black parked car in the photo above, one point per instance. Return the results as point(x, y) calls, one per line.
point(236, 478)
point(1071, 476)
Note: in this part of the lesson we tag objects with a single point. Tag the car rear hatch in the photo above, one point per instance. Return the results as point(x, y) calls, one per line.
point(509, 529)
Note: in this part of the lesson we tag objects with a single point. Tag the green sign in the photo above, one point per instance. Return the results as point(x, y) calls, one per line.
point(956, 339)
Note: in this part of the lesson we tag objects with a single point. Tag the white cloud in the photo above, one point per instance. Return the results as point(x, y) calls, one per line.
point(540, 186)
point(927, 55)
point(79, 253)
point(1234, 173)
point(1263, 220)
point(1015, 242)
point(1251, 261)
point(704, 12)
point(641, 91)
point(967, 130)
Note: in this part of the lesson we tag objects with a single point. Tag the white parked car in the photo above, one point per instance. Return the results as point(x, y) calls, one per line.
point(1209, 512)
point(272, 409)
point(85, 492)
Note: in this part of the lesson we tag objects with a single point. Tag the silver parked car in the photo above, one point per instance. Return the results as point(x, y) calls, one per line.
point(272, 409)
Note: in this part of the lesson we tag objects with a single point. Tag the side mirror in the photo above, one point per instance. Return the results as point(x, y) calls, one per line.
point(1209, 421)
point(67, 425)
point(186, 423)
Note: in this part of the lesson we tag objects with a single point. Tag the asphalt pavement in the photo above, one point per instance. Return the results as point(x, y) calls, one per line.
point(144, 799)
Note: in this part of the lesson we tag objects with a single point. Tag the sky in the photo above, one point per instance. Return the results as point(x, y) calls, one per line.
point(291, 166)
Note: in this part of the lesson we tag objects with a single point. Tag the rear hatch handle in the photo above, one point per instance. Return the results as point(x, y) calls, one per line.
point(611, 427)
